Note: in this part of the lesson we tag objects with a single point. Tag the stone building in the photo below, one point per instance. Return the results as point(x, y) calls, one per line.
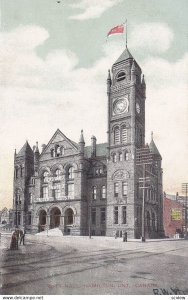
point(94, 189)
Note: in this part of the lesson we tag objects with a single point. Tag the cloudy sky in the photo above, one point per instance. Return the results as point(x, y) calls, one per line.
point(53, 67)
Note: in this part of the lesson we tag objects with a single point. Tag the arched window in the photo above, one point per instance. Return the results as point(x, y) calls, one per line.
point(103, 192)
point(71, 173)
point(153, 221)
point(124, 134)
point(57, 191)
point(116, 189)
point(121, 76)
point(21, 171)
point(126, 155)
point(94, 193)
point(124, 188)
point(114, 157)
point(148, 220)
point(116, 135)
point(45, 192)
point(45, 177)
point(58, 174)
point(120, 157)
point(16, 172)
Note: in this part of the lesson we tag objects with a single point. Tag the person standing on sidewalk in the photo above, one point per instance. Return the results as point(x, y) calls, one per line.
point(124, 236)
point(22, 236)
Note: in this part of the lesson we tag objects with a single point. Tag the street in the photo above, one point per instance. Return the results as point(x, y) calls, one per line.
point(100, 265)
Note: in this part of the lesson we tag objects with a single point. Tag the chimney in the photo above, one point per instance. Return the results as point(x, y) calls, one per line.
point(93, 146)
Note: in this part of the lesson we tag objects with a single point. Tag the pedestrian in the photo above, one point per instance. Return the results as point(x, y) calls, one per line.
point(13, 243)
point(124, 236)
point(22, 236)
point(115, 235)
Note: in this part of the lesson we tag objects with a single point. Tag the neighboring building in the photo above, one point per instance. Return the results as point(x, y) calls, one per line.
point(173, 216)
point(6, 217)
point(80, 188)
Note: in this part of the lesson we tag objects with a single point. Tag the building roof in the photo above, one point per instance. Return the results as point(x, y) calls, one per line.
point(153, 147)
point(125, 55)
point(101, 150)
point(25, 149)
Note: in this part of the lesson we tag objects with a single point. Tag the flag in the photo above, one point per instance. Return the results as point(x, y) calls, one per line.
point(116, 30)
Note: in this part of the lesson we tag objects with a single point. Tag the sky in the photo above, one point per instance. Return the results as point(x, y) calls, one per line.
point(54, 61)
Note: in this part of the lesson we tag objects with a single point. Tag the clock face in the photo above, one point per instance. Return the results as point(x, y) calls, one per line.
point(120, 105)
point(138, 108)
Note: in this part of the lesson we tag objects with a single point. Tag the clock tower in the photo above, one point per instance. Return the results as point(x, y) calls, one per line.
point(126, 132)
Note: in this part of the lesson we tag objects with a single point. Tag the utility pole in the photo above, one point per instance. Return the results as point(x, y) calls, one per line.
point(143, 158)
point(185, 191)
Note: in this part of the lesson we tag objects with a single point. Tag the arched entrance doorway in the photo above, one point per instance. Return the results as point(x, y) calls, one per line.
point(55, 216)
point(42, 220)
point(68, 220)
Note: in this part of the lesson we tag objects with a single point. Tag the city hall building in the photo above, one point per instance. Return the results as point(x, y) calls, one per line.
point(95, 189)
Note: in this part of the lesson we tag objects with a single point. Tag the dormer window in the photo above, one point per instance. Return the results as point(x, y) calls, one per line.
point(121, 76)
point(58, 151)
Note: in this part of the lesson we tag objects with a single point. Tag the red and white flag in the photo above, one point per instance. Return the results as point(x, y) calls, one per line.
point(116, 30)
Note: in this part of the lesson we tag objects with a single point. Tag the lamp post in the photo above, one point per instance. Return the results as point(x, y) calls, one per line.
point(16, 202)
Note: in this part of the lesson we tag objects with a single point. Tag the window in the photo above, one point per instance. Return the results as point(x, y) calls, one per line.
point(93, 216)
point(103, 215)
point(94, 193)
point(57, 174)
point(126, 155)
point(57, 190)
point(45, 177)
point(58, 150)
point(124, 214)
point(121, 76)
point(114, 158)
point(30, 197)
point(124, 134)
point(71, 173)
point(62, 151)
point(148, 220)
point(120, 156)
point(52, 152)
point(116, 189)
point(153, 221)
point(29, 218)
point(45, 192)
point(103, 192)
point(116, 135)
point(21, 171)
point(33, 181)
point(116, 215)
point(16, 172)
point(71, 190)
point(124, 188)
point(19, 218)
point(100, 171)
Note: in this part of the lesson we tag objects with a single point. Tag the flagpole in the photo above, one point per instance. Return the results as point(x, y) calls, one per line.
point(126, 31)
